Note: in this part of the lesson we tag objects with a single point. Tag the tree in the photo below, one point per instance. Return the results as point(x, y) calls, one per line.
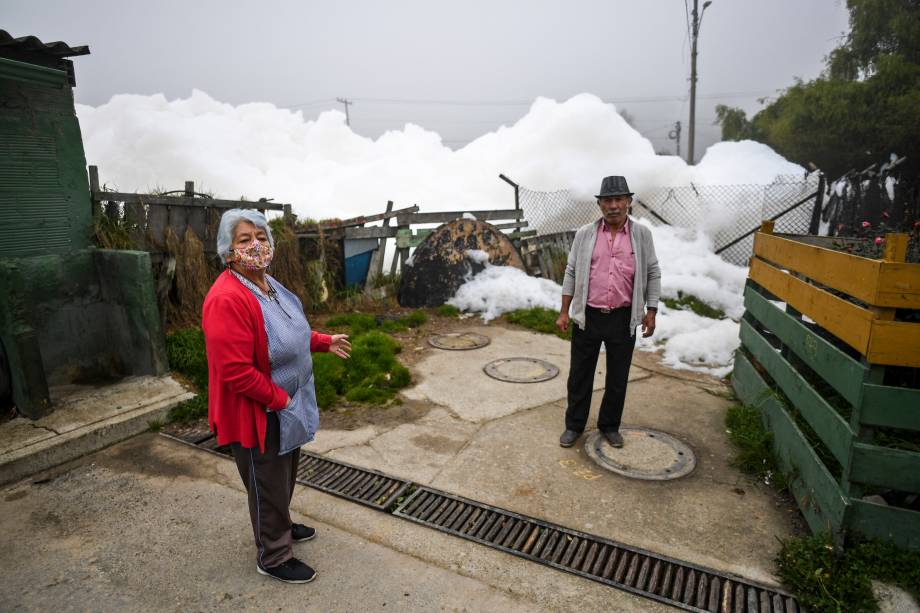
point(865, 106)
point(734, 122)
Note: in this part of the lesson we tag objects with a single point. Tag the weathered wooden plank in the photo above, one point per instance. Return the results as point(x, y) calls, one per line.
point(877, 521)
point(830, 427)
point(356, 233)
point(157, 222)
point(510, 226)
point(444, 217)
point(136, 224)
point(848, 322)
point(850, 274)
point(890, 407)
point(185, 201)
point(885, 467)
point(894, 343)
point(178, 219)
point(898, 284)
point(841, 371)
point(816, 491)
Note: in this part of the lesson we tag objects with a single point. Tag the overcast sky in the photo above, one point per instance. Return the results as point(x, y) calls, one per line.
point(460, 68)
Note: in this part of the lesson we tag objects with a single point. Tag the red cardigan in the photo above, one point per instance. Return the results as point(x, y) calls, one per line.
point(239, 373)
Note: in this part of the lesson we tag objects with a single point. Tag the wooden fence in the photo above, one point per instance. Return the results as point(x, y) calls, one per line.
point(148, 217)
point(547, 254)
point(846, 365)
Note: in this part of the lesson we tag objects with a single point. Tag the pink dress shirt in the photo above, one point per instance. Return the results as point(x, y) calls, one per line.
point(613, 268)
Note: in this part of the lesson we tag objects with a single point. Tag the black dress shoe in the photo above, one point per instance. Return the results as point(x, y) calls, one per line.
point(568, 438)
point(292, 571)
point(299, 533)
point(614, 438)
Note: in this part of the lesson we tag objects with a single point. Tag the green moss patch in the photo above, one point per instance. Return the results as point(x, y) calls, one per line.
point(538, 319)
point(689, 302)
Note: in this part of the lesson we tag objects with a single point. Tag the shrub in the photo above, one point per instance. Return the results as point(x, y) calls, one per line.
point(186, 353)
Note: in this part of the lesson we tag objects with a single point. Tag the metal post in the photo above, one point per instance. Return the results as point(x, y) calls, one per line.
point(347, 103)
point(697, 20)
point(815, 224)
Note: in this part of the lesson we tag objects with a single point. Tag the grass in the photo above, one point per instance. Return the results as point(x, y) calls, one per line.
point(689, 302)
point(538, 319)
point(448, 310)
point(371, 375)
point(755, 456)
point(359, 323)
point(829, 579)
point(186, 353)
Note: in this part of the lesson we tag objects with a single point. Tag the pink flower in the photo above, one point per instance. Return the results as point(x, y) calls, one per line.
point(885, 214)
point(917, 224)
point(866, 224)
point(878, 240)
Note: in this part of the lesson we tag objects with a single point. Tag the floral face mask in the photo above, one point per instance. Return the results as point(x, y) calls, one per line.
point(254, 256)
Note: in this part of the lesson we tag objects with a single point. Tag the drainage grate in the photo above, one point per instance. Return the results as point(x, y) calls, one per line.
point(193, 434)
point(670, 581)
point(367, 487)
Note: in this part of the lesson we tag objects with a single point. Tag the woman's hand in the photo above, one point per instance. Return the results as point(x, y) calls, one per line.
point(340, 346)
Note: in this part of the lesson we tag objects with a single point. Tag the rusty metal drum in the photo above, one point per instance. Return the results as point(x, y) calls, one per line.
point(440, 265)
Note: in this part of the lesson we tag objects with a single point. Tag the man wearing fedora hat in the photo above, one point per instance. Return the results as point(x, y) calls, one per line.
point(612, 283)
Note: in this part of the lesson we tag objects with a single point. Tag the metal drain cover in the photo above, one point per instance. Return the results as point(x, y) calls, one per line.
point(459, 341)
point(521, 370)
point(646, 454)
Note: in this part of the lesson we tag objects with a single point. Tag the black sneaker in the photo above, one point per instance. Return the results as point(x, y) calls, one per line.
point(292, 571)
point(299, 533)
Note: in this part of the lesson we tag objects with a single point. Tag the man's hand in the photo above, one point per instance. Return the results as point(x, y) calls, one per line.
point(340, 346)
point(648, 324)
point(562, 322)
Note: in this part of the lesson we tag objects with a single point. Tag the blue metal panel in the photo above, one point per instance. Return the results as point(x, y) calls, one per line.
point(356, 268)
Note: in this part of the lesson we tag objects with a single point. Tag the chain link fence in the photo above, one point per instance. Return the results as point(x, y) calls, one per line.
point(729, 214)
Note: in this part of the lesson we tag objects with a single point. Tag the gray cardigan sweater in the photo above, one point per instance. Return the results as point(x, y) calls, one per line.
point(647, 282)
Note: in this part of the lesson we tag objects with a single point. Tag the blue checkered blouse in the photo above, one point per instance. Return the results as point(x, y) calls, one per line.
point(291, 364)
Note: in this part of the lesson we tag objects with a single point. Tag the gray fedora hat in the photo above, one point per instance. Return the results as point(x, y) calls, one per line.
point(614, 186)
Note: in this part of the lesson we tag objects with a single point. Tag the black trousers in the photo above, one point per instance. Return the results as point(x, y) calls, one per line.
point(613, 330)
point(269, 479)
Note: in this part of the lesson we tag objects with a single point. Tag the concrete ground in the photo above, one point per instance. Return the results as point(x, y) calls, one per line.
point(150, 523)
point(85, 418)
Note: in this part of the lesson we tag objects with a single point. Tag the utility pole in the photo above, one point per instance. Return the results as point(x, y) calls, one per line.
point(697, 20)
point(347, 103)
point(675, 135)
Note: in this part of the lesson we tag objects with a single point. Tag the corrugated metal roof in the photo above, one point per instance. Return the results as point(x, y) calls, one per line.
point(34, 45)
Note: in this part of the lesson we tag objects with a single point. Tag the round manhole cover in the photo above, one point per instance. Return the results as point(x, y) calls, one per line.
point(645, 454)
point(459, 341)
point(521, 370)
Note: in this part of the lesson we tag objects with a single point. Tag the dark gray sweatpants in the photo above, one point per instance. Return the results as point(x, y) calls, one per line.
point(269, 480)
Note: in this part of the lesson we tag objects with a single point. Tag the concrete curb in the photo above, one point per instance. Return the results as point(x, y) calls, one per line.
point(50, 452)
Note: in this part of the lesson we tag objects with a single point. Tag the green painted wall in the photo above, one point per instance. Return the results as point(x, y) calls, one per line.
point(44, 191)
point(70, 313)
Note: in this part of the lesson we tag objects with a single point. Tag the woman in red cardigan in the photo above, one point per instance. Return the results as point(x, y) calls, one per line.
point(262, 399)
